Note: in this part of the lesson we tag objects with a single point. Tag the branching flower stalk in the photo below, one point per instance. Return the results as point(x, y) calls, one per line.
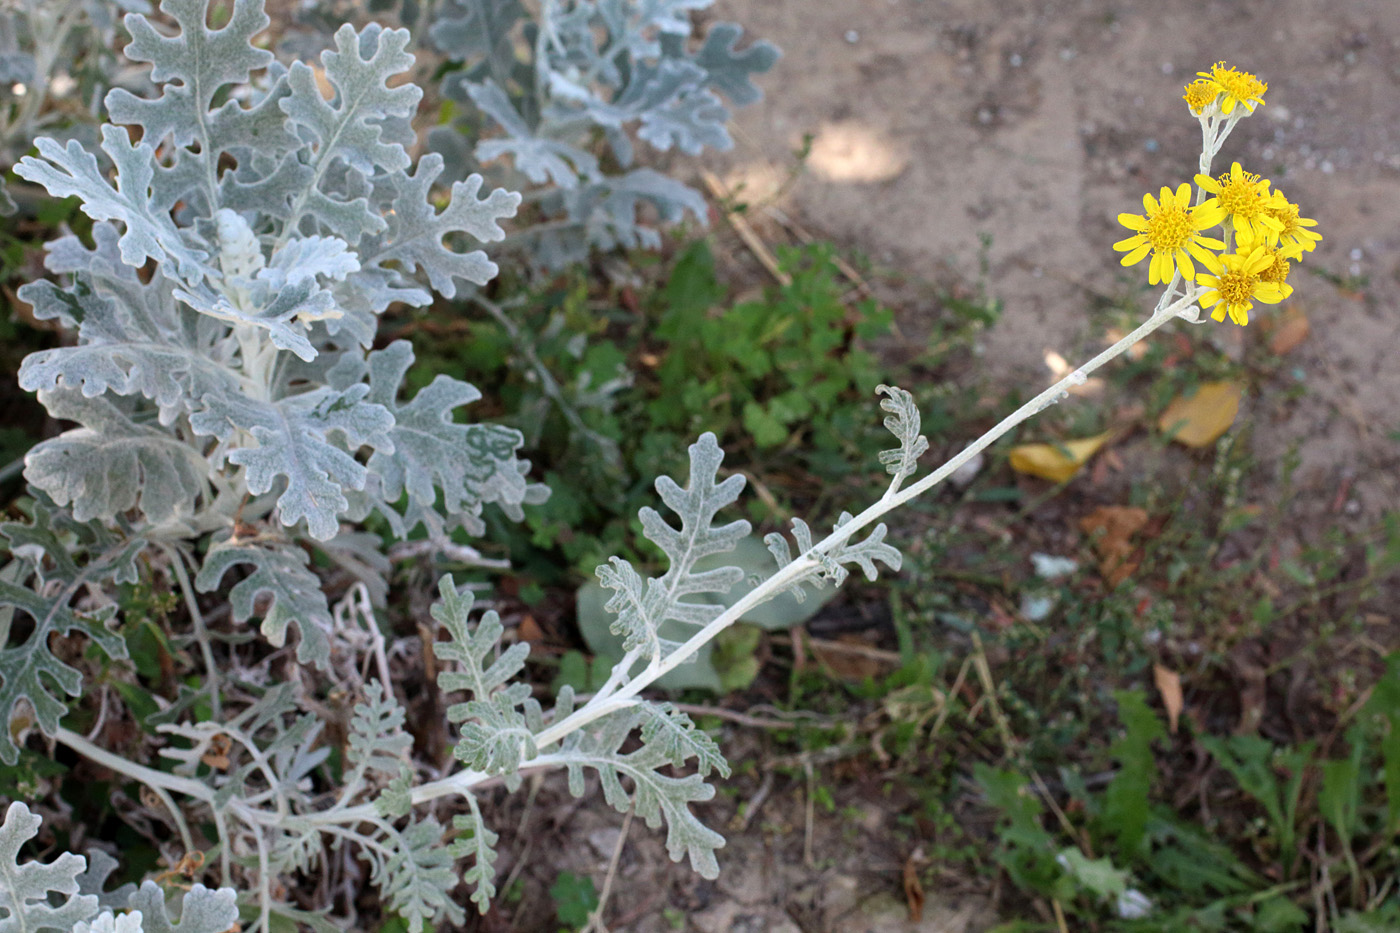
point(308, 396)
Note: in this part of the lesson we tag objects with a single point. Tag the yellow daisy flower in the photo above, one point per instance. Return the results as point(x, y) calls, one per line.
point(1200, 95)
point(1171, 231)
point(1279, 266)
point(1246, 199)
point(1295, 236)
point(1235, 281)
point(1241, 89)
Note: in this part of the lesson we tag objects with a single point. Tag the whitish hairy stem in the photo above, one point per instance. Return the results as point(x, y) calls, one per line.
point(605, 703)
point(156, 780)
point(201, 632)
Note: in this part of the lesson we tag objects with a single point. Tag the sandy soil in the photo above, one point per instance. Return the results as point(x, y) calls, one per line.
point(1035, 122)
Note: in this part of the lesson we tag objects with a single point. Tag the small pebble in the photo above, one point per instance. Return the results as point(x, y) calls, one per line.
point(852, 36)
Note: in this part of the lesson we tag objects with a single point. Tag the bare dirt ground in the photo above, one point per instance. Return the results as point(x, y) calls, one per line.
point(935, 123)
point(1035, 122)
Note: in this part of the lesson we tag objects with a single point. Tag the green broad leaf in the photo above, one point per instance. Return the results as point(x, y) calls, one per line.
point(767, 429)
point(1279, 915)
point(1126, 808)
point(1097, 876)
point(575, 898)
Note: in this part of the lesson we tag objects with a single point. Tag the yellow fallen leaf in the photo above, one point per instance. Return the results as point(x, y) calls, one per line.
point(1055, 462)
point(1197, 420)
point(1169, 686)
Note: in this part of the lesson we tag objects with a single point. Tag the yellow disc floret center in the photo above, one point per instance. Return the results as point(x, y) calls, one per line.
point(1277, 271)
point(1237, 287)
point(1240, 196)
point(1200, 95)
point(1169, 229)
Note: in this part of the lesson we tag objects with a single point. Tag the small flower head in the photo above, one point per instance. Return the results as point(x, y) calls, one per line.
point(1200, 95)
point(1294, 238)
point(1246, 199)
point(1277, 270)
point(1171, 231)
point(1236, 280)
point(1238, 88)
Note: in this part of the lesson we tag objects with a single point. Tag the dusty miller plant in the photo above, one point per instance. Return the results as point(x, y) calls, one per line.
point(232, 420)
point(554, 78)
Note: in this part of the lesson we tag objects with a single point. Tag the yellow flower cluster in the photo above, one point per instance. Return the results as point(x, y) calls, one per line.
point(1230, 87)
point(1261, 232)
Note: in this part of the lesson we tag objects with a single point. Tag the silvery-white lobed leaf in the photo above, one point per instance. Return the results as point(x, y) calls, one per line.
point(730, 72)
point(296, 442)
point(280, 572)
point(112, 464)
point(641, 610)
point(903, 422)
point(656, 797)
point(350, 127)
point(476, 840)
point(193, 65)
point(56, 559)
point(539, 158)
point(201, 911)
point(470, 29)
point(37, 897)
point(415, 235)
point(447, 469)
point(100, 867)
point(150, 233)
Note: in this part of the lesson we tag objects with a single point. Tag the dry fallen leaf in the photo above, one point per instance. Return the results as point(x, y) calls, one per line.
point(529, 630)
point(1197, 420)
point(913, 888)
point(1169, 686)
point(1111, 527)
point(1289, 330)
point(1055, 462)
